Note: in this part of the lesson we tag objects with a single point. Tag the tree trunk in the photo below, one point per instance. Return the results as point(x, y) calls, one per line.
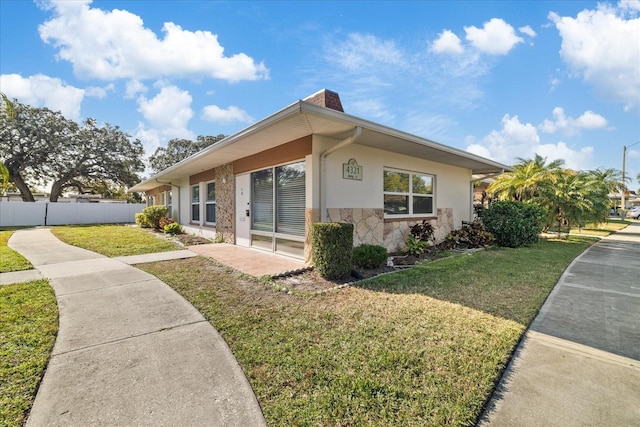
point(16, 178)
point(56, 191)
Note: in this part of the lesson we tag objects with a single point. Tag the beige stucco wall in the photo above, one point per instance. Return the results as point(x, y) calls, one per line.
point(360, 202)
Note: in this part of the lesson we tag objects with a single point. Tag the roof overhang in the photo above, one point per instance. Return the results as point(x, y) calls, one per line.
point(303, 119)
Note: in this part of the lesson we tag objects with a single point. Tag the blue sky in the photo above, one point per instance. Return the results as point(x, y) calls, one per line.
point(499, 79)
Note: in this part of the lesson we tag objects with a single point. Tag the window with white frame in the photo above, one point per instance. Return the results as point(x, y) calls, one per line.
point(169, 203)
point(210, 203)
point(195, 203)
point(408, 193)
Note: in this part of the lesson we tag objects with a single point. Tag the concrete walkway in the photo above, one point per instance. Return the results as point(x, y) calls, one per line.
point(248, 260)
point(130, 350)
point(579, 363)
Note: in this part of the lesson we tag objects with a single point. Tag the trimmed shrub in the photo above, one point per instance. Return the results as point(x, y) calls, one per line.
point(369, 256)
point(332, 245)
point(173, 228)
point(141, 220)
point(153, 215)
point(514, 224)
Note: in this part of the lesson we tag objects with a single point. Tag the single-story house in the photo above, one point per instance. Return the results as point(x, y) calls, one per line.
point(264, 186)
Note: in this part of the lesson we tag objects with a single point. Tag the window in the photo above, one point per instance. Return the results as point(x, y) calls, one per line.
point(290, 199)
point(210, 203)
point(169, 202)
point(408, 193)
point(195, 203)
point(262, 200)
point(278, 197)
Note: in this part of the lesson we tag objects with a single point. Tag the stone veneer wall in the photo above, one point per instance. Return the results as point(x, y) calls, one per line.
point(368, 223)
point(396, 232)
point(371, 227)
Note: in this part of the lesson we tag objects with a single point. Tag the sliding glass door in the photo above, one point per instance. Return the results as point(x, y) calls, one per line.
point(278, 206)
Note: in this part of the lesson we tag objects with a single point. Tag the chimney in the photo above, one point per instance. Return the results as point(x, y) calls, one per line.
point(326, 98)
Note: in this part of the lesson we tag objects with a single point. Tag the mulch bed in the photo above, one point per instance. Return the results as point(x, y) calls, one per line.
point(312, 281)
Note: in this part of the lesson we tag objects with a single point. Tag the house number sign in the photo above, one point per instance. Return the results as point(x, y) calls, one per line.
point(351, 170)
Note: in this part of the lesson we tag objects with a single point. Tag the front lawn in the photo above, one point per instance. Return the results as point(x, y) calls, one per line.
point(114, 240)
point(11, 260)
point(28, 328)
point(602, 229)
point(419, 347)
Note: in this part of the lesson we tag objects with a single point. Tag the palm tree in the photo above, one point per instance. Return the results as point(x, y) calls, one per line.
point(566, 200)
point(525, 182)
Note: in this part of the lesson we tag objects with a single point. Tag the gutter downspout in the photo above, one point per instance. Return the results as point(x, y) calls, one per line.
point(178, 198)
point(491, 175)
point(357, 131)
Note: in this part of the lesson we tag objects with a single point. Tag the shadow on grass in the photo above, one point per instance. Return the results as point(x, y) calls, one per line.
point(508, 283)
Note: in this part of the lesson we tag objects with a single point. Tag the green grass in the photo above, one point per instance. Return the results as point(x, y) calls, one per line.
point(504, 282)
point(421, 347)
point(11, 260)
point(114, 240)
point(28, 328)
point(603, 229)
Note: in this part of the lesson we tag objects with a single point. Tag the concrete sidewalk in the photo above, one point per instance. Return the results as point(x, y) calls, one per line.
point(579, 363)
point(130, 350)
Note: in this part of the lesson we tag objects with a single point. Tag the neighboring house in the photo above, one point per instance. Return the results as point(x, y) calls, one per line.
point(265, 186)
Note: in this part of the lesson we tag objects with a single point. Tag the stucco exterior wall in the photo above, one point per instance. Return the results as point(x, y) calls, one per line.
point(224, 226)
point(361, 201)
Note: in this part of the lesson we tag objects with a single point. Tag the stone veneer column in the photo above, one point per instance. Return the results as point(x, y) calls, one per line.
point(311, 216)
point(224, 201)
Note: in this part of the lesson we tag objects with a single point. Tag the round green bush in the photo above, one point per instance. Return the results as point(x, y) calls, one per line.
point(369, 256)
point(514, 224)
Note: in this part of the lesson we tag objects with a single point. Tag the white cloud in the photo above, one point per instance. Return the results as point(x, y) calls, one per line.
point(169, 109)
point(133, 88)
point(573, 159)
point(496, 37)
point(374, 108)
point(631, 5)
point(213, 113)
point(44, 91)
point(167, 115)
point(365, 51)
point(448, 43)
point(601, 46)
point(528, 31)
point(115, 44)
point(99, 92)
point(520, 140)
point(570, 126)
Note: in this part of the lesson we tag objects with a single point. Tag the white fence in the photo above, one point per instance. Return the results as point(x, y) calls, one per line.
point(45, 213)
